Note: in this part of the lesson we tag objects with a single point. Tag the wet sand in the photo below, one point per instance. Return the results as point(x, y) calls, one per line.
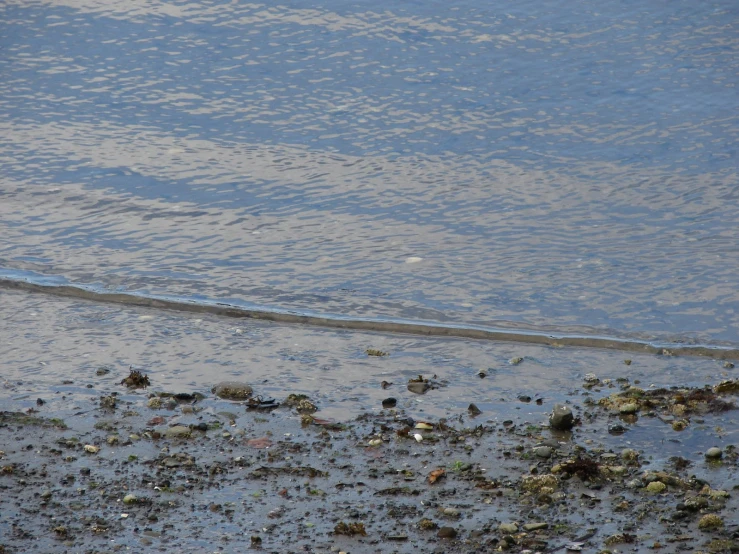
point(90, 465)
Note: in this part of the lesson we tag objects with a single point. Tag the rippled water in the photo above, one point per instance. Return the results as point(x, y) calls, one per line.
point(551, 165)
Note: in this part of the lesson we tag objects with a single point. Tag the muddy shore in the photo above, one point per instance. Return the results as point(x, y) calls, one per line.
point(90, 464)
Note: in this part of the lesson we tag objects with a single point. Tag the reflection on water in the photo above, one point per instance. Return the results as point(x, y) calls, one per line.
point(567, 166)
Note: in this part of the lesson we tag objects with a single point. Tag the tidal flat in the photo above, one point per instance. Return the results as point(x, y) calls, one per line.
point(328, 448)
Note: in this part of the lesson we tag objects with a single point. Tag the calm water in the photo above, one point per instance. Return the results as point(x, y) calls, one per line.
point(553, 165)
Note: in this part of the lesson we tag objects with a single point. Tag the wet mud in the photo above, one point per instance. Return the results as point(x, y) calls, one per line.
point(260, 454)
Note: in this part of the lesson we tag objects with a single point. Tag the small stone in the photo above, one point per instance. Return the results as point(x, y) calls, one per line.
point(656, 487)
point(515, 361)
point(389, 403)
point(535, 526)
point(232, 390)
point(451, 512)
point(92, 449)
point(728, 365)
point(155, 403)
point(714, 453)
point(508, 528)
point(130, 499)
point(113, 439)
point(730, 386)
point(629, 455)
point(474, 410)
point(630, 408)
point(562, 418)
point(543, 452)
point(590, 378)
point(418, 387)
point(178, 432)
point(710, 521)
point(447, 533)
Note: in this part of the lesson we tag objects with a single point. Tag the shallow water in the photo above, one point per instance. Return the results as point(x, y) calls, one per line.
point(540, 165)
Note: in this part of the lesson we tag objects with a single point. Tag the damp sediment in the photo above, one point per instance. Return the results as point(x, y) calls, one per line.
point(423, 328)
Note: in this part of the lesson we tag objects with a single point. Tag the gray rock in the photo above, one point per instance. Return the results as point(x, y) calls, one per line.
point(232, 390)
point(562, 418)
point(178, 432)
point(447, 533)
point(535, 526)
point(714, 453)
point(508, 528)
point(418, 387)
point(543, 451)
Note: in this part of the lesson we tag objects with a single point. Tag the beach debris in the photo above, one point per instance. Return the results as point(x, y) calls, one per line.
point(385, 384)
point(260, 403)
point(136, 379)
point(375, 352)
point(435, 475)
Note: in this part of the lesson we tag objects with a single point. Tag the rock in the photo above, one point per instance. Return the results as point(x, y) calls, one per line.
point(656, 487)
point(447, 533)
point(629, 455)
point(155, 403)
point(535, 526)
point(178, 432)
point(714, 453)
point(710, 521)
point(562, 418)
point(474, 410)
point(508, 528)
point(130, 499)
point(630, 408)
point(451, 512)
point(418, 387)
point(543, 452)
point(232, 390)
point(92, 449)
point(389, 403)
point(730, 386)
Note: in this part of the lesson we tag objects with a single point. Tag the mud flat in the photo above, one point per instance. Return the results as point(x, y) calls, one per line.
point(127, 430)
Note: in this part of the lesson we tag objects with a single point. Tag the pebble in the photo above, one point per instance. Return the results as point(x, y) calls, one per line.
point(130, 499)
point(714, 453)
point(178, 431)
point(418, 387)
point(543, 451)
point(656, 487)
point(451, 512)
point(447, 533)
point(629, 454)
point(232, 390)
point(535, 526)
point(389, 403)
point(710, 521)
point(562, 418)
point(630, 408)
point(508, 528)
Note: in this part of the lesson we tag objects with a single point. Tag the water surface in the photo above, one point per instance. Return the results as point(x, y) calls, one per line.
point(549, 165)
